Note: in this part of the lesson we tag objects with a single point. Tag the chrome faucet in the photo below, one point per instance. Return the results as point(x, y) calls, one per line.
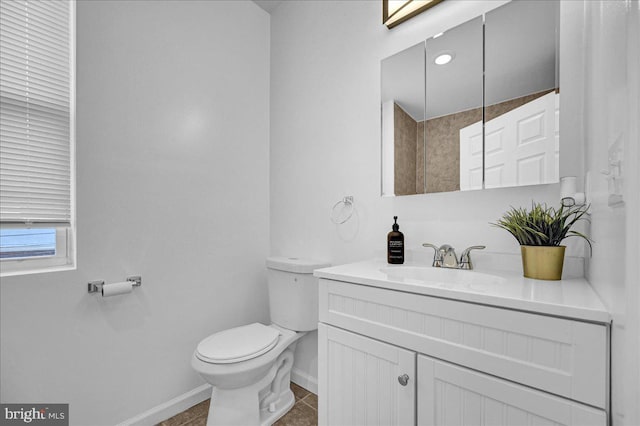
point(445, 256)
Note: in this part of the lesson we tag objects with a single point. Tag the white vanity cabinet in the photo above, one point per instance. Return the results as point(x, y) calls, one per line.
point(389, 357)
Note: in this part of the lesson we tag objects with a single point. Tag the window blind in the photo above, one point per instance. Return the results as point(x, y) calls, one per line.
point(36, 107)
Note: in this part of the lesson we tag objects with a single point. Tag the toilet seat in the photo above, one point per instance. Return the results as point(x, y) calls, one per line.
point(238, 344)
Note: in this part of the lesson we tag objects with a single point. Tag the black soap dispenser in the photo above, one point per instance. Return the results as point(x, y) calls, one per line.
point(395, 244)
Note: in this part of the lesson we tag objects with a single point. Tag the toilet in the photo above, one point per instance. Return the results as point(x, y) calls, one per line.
point(249, 366)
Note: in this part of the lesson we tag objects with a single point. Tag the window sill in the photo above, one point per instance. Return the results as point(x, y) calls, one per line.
point(35, 270)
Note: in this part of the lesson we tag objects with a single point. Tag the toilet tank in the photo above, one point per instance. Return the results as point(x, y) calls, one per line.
point(293, 292)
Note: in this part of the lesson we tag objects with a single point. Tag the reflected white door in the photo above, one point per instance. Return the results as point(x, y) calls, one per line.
point(471, 157)
point(521, 146)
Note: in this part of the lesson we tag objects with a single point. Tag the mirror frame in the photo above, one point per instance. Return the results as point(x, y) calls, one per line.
point(387, 188)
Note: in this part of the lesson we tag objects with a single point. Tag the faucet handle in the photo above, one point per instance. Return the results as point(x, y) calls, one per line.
point(437, 256)
point(465, 257)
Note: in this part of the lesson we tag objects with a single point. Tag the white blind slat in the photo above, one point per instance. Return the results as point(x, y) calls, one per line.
point(55, 167)
point(41, 67)
point(34, 181)
point(43, 147)
point(37, 24)
point(55, 11)
point(31, 168)
point(33, 96)
point(39, 131)
point(45, 187)
point(37, 11)
point(35, 111)
point(43, 111)
point(12, 50)
point(59, 82)
point(55, 135)
point(37, 138)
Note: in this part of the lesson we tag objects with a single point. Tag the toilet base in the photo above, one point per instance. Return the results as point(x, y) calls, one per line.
point(228, 410)
point(262, 403)
point(286, 402)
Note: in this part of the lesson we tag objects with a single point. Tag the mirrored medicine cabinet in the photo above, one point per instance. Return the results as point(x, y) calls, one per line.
point(476, 106)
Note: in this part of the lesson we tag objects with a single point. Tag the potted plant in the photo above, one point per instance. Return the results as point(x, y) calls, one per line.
point(540, 232)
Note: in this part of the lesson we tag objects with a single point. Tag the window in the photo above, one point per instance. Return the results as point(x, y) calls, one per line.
point(26, 243)
point(37, 62)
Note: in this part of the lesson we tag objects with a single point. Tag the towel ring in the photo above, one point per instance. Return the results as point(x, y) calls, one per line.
point(342, 210)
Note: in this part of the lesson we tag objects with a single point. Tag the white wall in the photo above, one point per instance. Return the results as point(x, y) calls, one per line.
point(325, 142)
point(172, 153)
point(611, 123)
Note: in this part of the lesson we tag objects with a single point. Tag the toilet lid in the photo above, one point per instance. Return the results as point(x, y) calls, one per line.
point(238, 344)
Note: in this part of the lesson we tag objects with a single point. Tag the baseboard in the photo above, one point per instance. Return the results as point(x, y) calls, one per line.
point(305, 380)
point(170, 408)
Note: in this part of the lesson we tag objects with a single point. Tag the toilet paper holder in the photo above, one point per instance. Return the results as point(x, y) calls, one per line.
point(96, 286)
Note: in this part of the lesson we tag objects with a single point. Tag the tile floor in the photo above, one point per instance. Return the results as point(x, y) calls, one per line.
point(303, 413)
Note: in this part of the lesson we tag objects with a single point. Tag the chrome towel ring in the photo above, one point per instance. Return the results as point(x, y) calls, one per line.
point(342, 210)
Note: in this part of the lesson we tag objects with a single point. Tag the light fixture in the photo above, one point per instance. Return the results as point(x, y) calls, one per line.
point(444, 58)
point(395, 12)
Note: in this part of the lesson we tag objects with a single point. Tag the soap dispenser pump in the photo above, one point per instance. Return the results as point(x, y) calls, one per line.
point(395, 244)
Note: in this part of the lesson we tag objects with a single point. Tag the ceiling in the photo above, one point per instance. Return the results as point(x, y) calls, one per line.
point(519, 59)
point(268, 5)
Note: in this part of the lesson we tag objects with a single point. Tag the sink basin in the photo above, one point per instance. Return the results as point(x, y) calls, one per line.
point(442, 277)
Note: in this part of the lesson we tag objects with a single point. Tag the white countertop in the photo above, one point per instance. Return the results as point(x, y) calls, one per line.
point(570, 298)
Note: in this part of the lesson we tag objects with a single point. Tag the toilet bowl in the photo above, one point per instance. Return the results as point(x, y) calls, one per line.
point(249, 367)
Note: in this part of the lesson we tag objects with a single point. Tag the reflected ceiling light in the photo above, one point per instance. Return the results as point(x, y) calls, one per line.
point(438, 35)
point(444, 58)
point(395, 12)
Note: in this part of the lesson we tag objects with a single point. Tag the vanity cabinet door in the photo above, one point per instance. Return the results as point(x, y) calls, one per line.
point(362, 381)
point(451, 395)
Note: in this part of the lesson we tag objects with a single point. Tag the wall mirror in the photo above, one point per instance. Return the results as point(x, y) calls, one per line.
point(476, 106)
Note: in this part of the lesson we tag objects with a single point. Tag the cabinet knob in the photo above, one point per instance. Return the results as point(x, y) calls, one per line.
point(403, 380)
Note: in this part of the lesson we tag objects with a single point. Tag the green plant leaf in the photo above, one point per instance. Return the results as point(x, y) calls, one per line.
point(543, 225)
